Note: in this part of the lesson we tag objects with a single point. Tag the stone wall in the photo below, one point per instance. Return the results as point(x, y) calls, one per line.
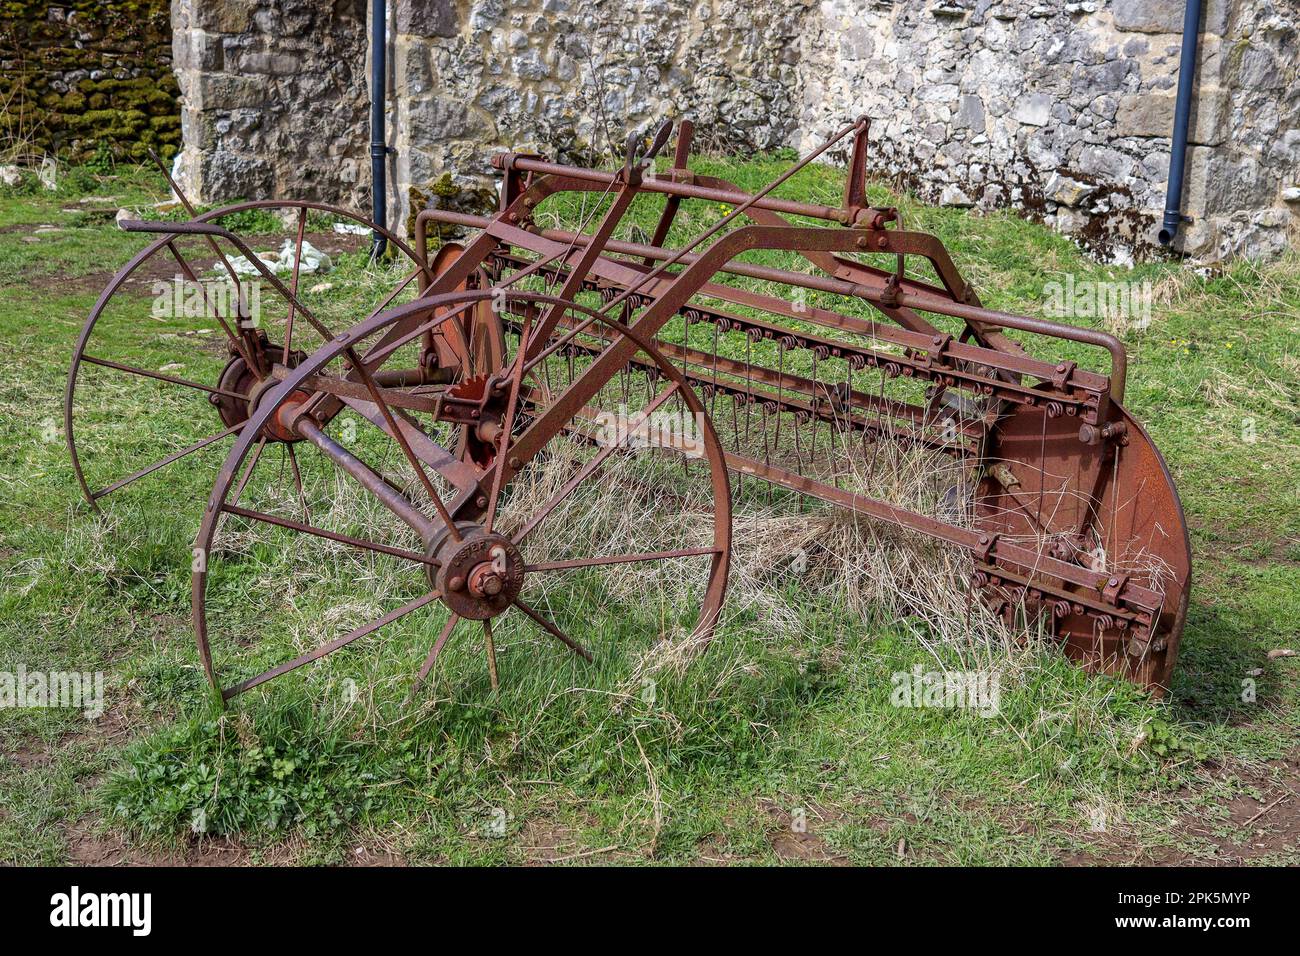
point(87, 78)
point(1063, 110)
point(275, 99)
point(1066, 110)
point(572, 77)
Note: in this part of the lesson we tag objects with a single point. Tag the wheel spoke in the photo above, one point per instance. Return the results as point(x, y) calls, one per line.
point(162, 462)
point(507, 425)
point(347, 539)
point(575, 563)
point(490, 647)
point(588, 469)
point(382, 350)
point(331, 647)
point(240, 342)
point(172, 379)
point(248, 470)
point(434, 652)
point(297, 480)
point(552, 630)
point(293, 284)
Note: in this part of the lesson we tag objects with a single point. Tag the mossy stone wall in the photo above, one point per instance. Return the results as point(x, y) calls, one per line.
point(82, 77)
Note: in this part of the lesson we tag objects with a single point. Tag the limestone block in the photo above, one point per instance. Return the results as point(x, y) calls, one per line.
point(1166, 16)
point(427, 18)
point(970, 113)
point(1067, 190)
point(215, 91)
point(1034, 109)
point(1152, 114)
point(222, 16)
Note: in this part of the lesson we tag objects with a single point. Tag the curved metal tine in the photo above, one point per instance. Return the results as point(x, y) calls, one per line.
point(529, 526)
point(552, 630)
point(170, 379)
point(780, 391)
point(749, 386)
point(561, 342)
point(161, 462)
point(331, 647)
point(433, 655)
point(815, 402)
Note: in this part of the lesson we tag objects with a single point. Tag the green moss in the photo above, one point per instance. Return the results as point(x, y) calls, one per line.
point(131, 101)
point(443, 186)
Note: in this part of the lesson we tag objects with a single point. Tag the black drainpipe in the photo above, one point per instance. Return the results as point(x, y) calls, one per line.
point(378, 145)
point(1182, 115)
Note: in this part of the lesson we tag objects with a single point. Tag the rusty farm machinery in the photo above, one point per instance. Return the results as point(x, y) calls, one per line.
point(489, 391)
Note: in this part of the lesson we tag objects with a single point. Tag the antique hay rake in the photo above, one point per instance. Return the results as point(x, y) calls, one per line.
point(510, 393)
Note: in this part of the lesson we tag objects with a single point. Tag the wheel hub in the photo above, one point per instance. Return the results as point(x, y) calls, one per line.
point(238, 377)
point(480, 575)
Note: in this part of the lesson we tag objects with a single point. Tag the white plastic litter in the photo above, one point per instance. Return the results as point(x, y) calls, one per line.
point(350, 229)
point(281, 263)
point(49, 173)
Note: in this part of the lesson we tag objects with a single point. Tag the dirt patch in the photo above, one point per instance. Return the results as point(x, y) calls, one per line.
point(1261, 824)
point(544, 842)
point(796, 839)
point(712, 851)
point(161, 267)
point(112, 728)
point(87, 846)
point(367, 857)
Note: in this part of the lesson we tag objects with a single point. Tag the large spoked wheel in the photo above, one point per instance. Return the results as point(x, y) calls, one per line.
point(586, 515)
point(193, 335)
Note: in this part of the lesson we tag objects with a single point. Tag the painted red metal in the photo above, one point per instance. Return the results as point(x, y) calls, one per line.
point(1036, 469)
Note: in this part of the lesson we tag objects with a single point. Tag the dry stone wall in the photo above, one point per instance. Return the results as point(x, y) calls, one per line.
point(87, 79)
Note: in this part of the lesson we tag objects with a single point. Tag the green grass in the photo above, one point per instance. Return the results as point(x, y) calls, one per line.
point(577, 761)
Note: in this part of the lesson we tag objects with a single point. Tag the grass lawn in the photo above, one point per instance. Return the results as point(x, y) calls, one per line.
point(776, 746)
